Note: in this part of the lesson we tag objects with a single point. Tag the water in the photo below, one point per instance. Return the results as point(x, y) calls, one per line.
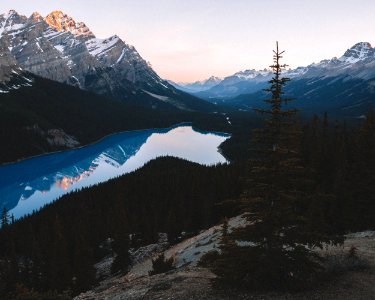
point(30, 184)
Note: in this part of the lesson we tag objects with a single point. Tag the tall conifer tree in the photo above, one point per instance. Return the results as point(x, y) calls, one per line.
point(275, 249)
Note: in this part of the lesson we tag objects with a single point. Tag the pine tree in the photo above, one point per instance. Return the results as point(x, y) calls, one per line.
point(4, 218)
point(275, 249)
point(120, 246)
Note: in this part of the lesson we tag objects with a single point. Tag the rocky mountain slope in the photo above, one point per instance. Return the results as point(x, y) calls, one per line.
point(11, 75)
point(344, 85)
point(58, 48)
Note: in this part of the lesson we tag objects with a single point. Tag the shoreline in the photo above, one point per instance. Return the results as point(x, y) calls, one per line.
point(188, 123)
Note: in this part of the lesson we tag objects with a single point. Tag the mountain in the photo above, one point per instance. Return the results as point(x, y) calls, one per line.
point(197, 86)
point(344, 86)
point(58, 48)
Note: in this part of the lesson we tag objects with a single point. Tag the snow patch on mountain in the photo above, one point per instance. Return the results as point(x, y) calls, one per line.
point(99, 47)
point(162, 98)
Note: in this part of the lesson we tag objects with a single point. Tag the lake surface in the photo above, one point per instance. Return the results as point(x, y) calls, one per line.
point(32, 183)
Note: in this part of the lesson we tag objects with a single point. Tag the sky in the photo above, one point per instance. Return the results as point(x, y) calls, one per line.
point(188, 40)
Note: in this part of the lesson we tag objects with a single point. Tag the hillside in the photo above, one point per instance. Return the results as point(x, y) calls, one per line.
point(189, 281)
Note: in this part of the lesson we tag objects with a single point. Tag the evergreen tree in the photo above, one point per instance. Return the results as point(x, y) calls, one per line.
point(275, 249)
point(120, 246)
point(4, 218)
point(161, 265)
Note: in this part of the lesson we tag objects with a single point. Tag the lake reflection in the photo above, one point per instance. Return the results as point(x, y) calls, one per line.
point(30, 184)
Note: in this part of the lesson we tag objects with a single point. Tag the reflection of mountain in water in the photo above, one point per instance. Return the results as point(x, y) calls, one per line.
point(30, 184)
point(21, 180)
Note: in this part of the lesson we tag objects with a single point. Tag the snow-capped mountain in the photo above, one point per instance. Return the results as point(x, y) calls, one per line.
point(360, 51)
point(59, 48)
point(197, 86)
point(357, 62)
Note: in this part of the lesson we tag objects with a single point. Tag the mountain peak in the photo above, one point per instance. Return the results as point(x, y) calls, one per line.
point(359, 51)
point(212, 80)
point(362, 45)
point(36, 17)
point(12, 12)
point(62, 22)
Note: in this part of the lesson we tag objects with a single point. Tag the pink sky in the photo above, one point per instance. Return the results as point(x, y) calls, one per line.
point(192, 40)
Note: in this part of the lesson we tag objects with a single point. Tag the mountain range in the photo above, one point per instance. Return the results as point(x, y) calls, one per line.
point(342, 86)
point(57, 47)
